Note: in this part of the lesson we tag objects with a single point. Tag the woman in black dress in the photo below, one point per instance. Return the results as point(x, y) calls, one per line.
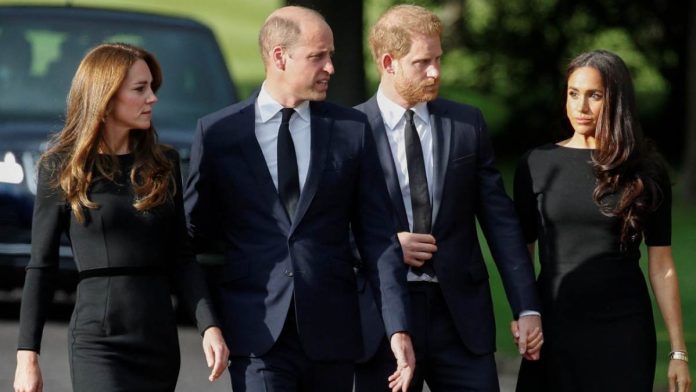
point(116, 193)
point(589, 201)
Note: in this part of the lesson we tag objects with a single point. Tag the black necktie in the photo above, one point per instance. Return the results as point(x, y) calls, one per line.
point(288, 177)
point(418, 184)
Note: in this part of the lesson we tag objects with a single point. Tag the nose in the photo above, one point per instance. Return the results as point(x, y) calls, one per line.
point(433, 71)
point(152, 99)
point(328, 67)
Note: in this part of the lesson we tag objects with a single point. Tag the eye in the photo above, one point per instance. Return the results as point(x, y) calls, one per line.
point(573, 94)
point(597, 96)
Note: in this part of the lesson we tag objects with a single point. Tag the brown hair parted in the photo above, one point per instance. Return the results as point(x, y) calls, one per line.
point(392, 32)
point(78, 154)
point(625, 164)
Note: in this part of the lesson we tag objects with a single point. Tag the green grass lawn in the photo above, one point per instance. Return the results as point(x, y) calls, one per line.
point(684, 248)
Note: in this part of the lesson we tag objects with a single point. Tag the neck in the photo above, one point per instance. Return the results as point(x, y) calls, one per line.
point(389, 91)
point(276, 92)
point(579, 140)
point(117, 142)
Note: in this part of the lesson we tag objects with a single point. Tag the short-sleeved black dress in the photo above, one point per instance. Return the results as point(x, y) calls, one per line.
point(122, 333)
point(599, 333)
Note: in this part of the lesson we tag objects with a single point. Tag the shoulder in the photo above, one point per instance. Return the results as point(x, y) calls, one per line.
point(337, 112)
point(170, 152)
point(455, 110)
point(51, 164)
point(228, 113)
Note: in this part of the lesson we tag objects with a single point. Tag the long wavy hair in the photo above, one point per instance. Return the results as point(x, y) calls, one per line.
point(626, 165)
point(79, 153)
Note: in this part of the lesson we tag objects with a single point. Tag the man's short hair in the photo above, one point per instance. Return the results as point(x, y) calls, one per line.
point(392, 32)
point(281, 31)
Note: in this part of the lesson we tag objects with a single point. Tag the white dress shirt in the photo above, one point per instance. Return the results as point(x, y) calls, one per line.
point(394, 119)
point(267, 118)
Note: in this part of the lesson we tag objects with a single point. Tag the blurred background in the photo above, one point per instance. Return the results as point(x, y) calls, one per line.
point(508, 57)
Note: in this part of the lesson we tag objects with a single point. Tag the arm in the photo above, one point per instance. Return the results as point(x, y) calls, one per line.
point(191, 286)
point(48, 224)
point(665, 286)
point(375, 236)
point(499, 222)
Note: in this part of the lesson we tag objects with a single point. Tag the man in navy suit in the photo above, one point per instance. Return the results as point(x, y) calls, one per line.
point(438, 164)
point(279, 180)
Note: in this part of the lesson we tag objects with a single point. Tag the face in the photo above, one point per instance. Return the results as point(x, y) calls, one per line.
point(131, 106)
point(584, 100)
point(417, 74)
point(308, 65)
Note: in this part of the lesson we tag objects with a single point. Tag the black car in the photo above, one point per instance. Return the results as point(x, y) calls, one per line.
point(40, 48)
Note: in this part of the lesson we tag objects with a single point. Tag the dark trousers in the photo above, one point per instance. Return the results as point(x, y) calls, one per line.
point(442, 360)
point(286, 368)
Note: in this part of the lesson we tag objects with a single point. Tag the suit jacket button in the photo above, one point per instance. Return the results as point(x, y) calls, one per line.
point(289, 273)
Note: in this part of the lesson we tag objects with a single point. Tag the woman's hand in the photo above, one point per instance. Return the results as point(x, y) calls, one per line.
point(28, 374)
point(216, 352)
point(678, 376)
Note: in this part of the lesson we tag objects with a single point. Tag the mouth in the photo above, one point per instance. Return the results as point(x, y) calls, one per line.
point(583, 121)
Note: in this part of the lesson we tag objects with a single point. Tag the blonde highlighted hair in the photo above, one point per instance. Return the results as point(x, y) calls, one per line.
point(78, 154)
point(393, 31)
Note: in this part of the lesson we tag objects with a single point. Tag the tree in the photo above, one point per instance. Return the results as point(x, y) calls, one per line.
point(347, 86)
point(690, 145)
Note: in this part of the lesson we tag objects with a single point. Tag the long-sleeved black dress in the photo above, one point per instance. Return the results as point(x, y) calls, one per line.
point(122, 333)
point(599, 332)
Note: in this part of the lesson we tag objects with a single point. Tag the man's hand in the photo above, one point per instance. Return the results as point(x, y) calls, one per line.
point(216, 352)
point(528, 336)
point(417, 248)
point(405, 362)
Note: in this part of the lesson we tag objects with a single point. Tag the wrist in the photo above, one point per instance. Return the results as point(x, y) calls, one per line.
point(27, 356)
point(680, 355)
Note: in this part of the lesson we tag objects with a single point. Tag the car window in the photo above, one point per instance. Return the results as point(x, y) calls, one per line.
point(40, 56)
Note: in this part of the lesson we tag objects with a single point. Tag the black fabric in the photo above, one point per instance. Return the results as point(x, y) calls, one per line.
point(288, 176)
point(442, 359)
point(591, 289)
point(122, 334)
point(418, 184)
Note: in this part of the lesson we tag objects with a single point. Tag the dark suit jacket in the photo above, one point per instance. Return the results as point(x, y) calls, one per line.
point(231, 198)
point(466, 187)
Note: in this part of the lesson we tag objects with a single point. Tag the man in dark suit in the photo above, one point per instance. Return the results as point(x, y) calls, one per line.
point(438, 164)
point(279, 180)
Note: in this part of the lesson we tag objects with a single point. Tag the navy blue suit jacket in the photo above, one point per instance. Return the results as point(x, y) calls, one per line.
point(466, 188)
point(269, 258)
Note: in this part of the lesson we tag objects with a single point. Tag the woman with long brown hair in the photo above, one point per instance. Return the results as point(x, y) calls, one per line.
point(590, 201)
point(116, 193)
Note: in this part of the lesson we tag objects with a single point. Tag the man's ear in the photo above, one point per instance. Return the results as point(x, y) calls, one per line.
point(278, 57)
point(388, 63)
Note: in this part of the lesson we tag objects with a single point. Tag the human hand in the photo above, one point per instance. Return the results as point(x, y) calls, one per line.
point(405, 362)
point(28, 374)
point(417, 248)
point(678, 376)
point(528, 336)
point(216, 352)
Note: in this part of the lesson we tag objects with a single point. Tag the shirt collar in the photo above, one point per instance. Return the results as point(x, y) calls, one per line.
point(269, 107)
point(392, 112)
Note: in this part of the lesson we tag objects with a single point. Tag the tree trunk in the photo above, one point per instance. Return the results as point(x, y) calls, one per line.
point(347, 85)
point(690, 146)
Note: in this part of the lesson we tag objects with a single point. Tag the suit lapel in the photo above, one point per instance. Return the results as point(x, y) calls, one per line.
point(441, 127)
point(387, 161)
point(251, 151)
point(320, 128)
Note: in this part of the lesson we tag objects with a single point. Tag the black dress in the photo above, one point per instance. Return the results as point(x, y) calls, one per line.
point(599, 333)
point(122, 333)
